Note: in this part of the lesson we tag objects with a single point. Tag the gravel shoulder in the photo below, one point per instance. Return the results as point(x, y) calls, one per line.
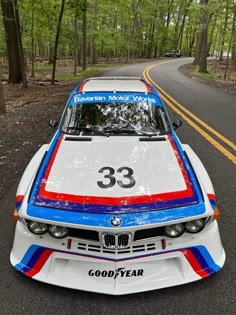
point(25, 126)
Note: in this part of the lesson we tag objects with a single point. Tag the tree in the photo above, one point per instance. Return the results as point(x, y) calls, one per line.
point(84, 30)
point(202, 51)
point(224, 31)
point(15, 53)
point(56, 41)
point(234, 39)
point(2, 102)
point(121, 29)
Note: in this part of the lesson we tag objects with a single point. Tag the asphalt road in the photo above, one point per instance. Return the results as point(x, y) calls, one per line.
point(214, 295)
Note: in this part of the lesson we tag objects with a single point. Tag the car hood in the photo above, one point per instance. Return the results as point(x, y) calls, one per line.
point(114, 174)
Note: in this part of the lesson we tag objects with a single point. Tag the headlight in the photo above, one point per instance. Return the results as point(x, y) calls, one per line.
point(174, 230)
point(37, 228)
point(195, 226)
point(58, 231)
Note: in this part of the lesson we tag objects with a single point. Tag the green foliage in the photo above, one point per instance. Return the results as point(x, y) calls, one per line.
point(124, 28)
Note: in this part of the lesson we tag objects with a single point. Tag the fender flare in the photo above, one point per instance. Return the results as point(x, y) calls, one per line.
point(201, 173)
point(29, 175)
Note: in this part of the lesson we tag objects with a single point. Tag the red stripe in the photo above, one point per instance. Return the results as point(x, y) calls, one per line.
point(181, 164)
point(40, 263)
point(115, 201)
point(211, 196)
point(44, 180)
point(80, 90)
point(194, 263)
point(149, 89)
point(19, 198)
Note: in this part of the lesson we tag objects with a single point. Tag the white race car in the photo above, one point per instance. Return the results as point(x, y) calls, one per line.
point(115, 203)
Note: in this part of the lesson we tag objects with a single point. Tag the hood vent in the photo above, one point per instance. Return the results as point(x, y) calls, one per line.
point(151, 139)
point(78, 139)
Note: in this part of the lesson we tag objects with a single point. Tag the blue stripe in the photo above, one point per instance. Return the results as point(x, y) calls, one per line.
point(104, 220)
point(213, 203)
point(25, 260)
point(18, 205)
point(188, 167)
point(205, 259)
point(133, 208)
point(34, 258)
point(43, 168)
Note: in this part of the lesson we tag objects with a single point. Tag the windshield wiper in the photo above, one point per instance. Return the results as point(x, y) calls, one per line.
point(82, 129)
point(129, 131)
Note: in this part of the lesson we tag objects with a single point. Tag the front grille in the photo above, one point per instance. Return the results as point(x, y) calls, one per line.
point(116, 240)
point(97, 248)
point(148, 233)
point(109, 240)
point(84, 234)
point(123, 238)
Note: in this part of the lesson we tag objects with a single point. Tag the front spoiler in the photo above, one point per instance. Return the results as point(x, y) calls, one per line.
point(203, 256)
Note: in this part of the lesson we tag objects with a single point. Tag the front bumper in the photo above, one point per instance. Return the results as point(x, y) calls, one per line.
point(185, 259)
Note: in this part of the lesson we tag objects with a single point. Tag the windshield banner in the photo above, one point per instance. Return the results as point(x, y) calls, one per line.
point(108, 98)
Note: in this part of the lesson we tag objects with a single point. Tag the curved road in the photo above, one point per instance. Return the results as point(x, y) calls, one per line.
point(214, 295)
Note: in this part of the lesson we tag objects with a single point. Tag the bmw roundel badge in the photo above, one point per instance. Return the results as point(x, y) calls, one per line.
point(116, 221)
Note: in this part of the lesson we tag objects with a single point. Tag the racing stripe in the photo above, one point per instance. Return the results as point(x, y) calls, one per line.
point(198, 257)
point(193, 261)
point(46, 253)
point(19, 200)
point(212, 200)
point(28, 255)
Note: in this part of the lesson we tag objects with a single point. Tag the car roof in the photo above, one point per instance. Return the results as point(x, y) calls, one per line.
point(114, 84)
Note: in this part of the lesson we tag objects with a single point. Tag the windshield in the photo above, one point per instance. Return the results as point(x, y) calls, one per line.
point(113, 117)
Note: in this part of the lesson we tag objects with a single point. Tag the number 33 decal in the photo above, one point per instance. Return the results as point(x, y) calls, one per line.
point(127, 174)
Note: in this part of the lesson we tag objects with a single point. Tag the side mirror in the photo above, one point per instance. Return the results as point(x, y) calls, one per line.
point(53, 123)
point(177, 123)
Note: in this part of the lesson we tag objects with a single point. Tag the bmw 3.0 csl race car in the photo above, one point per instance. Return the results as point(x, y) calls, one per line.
point(115, 203)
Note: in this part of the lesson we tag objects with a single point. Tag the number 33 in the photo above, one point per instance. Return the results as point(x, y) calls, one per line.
point(112, 179)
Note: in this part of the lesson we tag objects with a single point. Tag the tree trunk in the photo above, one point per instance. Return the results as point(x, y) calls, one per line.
point(233, 51)
point(2, 102)
point(224, 31)
point(50, 53)
point(92, 53)
point(75, 44)
point(165, 35)
point(227, 58)
point(13, 42)
point(202, 51)
point(203, 38)
point(196, 60)
point(20, 46)
point(32, 40)
point(211, 36)
point(56, 41)
point(84, 27)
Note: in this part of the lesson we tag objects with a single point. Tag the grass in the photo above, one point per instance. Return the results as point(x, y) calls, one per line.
point(81, 75)
point(47, 67)
point(65, 73)
point(202, 74)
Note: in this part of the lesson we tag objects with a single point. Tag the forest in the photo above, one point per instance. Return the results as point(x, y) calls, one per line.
point(81, 33)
